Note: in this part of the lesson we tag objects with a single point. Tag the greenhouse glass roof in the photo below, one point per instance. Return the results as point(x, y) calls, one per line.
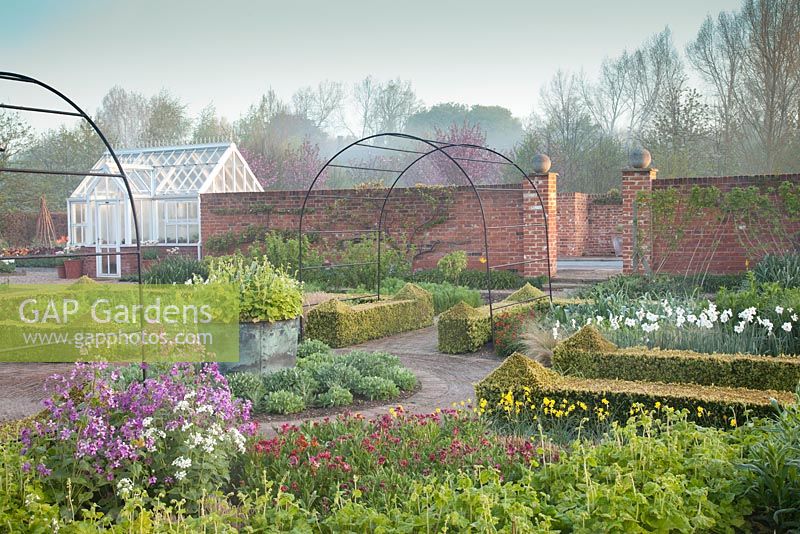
point(176, 170)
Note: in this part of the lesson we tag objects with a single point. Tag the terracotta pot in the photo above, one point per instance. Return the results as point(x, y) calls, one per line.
point(62, 273)
point(73, 268)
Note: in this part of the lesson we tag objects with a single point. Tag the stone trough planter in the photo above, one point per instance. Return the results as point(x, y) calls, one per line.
point(266, 347)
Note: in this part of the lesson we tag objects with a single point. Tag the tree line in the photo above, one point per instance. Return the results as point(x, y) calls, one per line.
point(740, 116)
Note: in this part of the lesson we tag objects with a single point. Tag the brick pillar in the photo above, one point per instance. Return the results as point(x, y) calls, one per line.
point(533, 242)
point(636, 259)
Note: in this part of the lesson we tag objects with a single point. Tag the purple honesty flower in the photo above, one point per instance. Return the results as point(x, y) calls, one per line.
point(43, 470)
point(94, 416)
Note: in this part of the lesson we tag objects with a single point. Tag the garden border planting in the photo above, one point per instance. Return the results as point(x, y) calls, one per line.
point(339, 324)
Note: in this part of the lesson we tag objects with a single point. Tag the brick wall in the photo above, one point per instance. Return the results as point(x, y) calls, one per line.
point(573, 222)
point(18, 228)
point(435, 220)
point(586, 227)
point(707, 241)
point(603, 225)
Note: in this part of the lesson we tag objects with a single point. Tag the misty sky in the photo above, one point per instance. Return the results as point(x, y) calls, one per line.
point(229, 52)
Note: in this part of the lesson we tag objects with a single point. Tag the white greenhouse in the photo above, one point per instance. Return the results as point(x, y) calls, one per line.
point(166, 183)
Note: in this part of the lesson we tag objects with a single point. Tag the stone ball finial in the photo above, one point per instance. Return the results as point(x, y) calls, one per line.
point(541, 163)
point(639, 158)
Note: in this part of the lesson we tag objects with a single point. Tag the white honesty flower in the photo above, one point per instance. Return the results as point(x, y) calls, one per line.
point(205, 408)
point(181, 406)
point(237, 438)
point(180, 475)
point(124, 487)
point(182, 463)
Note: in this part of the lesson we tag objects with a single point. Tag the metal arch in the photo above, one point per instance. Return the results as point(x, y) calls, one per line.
point(15, 77)
point(27, 79)
point(442, 148)
point(538, 195)
point(402, 172)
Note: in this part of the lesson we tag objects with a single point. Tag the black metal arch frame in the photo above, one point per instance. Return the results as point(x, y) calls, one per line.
point(120, 174)
point(435, 148)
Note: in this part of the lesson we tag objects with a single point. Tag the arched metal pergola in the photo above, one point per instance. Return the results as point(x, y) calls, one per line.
point(426, 148)
point(77, 112)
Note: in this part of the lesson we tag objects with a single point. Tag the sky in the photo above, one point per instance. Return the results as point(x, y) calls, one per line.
point(228, 53)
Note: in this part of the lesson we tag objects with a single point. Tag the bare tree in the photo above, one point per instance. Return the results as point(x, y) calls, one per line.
point(717, 54)
point(364, 96)
point(123, 116)
point(605, 99)
point(395, 103)
point(383, 107)
point(321, 104)
point(651, 68)
point(770, 91)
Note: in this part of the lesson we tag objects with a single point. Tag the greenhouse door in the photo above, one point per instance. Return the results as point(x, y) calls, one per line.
point(107, 219)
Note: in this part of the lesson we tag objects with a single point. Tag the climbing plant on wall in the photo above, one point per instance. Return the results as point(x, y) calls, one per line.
point(764, 219)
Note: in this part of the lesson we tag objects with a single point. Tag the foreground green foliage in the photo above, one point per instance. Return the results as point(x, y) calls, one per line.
point(447, 471)
point(782, 269)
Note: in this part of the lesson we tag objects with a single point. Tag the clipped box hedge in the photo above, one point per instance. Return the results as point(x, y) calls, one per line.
point(463, 328)
point(525, 378)
point(587, 354)
point(339, 324)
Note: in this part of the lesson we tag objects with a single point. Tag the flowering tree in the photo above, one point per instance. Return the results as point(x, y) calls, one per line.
point(291, 167)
